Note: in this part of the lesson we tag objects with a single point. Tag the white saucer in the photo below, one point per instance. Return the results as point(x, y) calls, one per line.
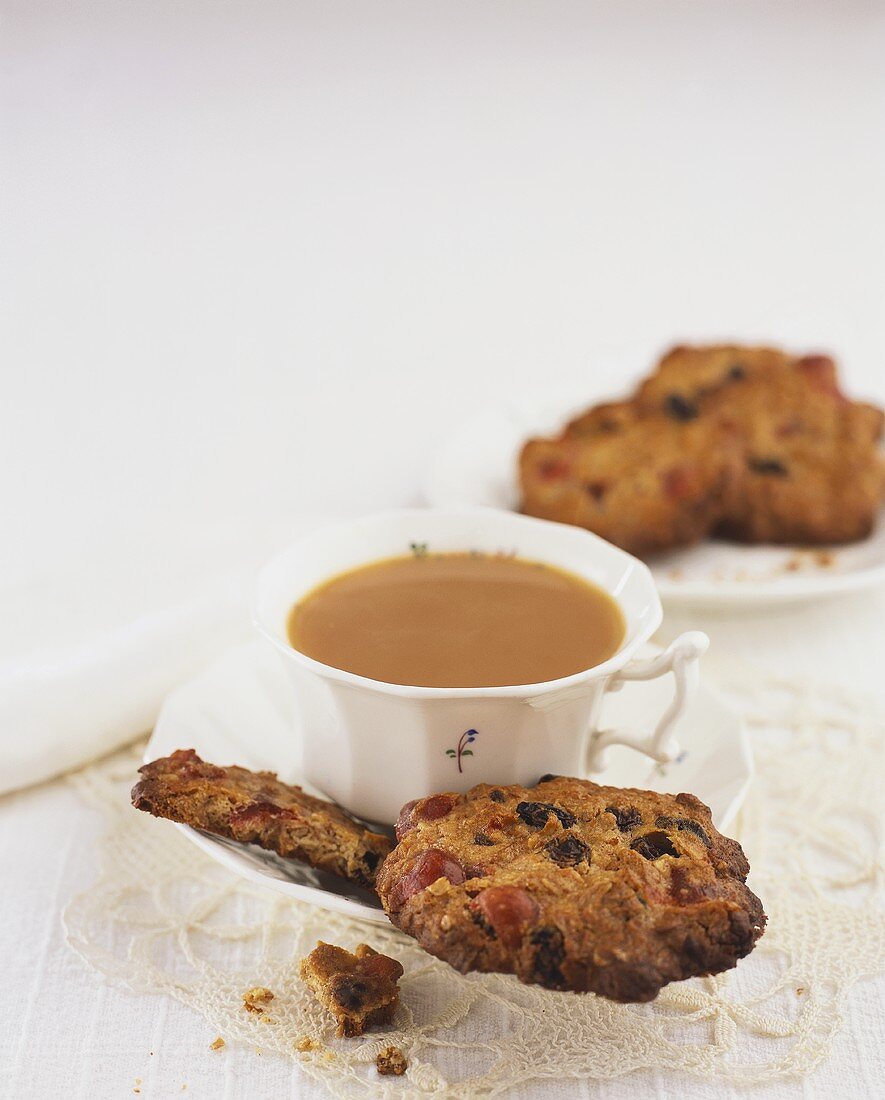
point(238, 710)
point(478, 465)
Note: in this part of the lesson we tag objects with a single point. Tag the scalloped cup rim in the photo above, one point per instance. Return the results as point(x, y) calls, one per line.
point(632, 567)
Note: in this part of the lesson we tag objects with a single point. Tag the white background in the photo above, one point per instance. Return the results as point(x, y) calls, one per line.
point(259, 258)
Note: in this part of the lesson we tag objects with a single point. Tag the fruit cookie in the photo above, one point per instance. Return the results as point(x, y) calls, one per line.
point(572, 886)
point(646, 485)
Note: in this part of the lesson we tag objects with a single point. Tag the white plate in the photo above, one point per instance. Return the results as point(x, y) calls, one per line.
point(238, 710)
point(479, 466)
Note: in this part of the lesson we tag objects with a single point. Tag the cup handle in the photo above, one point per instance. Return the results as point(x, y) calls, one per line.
point(682, 658)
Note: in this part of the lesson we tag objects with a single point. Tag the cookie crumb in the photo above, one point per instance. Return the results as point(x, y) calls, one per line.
point(358, 989)
point(391, 1062)
point(825, 559)
point(219, 1044)
point(305, 1043)
point(800, 991)
point(255, 999)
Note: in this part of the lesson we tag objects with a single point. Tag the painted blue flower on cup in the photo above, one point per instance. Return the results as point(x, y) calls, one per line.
point(467, 738)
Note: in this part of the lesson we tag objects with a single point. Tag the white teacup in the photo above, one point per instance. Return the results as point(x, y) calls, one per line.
point(373, 746)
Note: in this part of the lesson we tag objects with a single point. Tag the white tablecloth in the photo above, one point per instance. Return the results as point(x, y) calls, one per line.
point(260, 259)
point(64, 1028)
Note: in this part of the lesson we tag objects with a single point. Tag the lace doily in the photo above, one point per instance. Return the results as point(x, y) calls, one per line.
point(164, 918)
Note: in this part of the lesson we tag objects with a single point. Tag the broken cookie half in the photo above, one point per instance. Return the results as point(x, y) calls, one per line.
point(257, 808)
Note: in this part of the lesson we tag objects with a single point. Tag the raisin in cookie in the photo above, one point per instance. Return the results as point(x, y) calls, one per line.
point(572, 886)
point(255, 807)
point(358, 989)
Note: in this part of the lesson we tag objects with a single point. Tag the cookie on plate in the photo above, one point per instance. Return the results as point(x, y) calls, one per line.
point(256, 808)
point(358, 989)
point(813, 471)
point(644, 484)
point(775, 450)
point(572, 886)
point(690, 373)
point(686, 376)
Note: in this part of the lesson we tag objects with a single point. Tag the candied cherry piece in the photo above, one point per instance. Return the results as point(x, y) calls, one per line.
point(435, 807)
point(259, 813)
point(431, 865)
point(820, 372)
point(788, 428)
point(423, 809)
point(380, 968)
point(682, 890)
point(187, 765)
point(509, 910)
point(406, 820)
point(553, 469)
point(678, 482)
